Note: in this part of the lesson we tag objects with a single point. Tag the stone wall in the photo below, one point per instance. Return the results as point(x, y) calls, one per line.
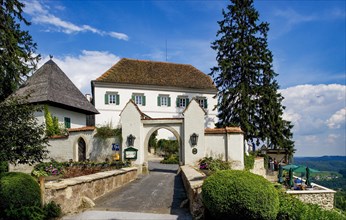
point(193, 181)
point(73, 193)
point(321, 196)
point(258, 167)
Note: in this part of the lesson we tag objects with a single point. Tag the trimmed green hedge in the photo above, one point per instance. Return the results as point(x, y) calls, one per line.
point(20, 197)
point(292, 208)
point(235, 194)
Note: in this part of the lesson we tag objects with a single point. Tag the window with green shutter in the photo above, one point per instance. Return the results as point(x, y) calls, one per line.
point(163, 100)
point(202, 101)
point(106, 98)
point(67, 122)
point(139, 99)
point(182, 102)
point(112, 98)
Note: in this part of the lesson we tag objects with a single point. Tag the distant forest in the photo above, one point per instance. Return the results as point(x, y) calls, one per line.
point(325, 163)
point(331, 164)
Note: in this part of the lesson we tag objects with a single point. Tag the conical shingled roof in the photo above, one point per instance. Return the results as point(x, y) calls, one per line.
point(144, 72)
point(49, 84)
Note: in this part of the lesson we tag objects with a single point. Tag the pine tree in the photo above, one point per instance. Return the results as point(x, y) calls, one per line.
point(22, 138)
point(245, 78)
point(17, 54)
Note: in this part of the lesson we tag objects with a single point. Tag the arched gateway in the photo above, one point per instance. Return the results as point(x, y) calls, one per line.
point(189, 130)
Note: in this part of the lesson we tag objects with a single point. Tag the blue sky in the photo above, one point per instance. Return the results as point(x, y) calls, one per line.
point(307, 39)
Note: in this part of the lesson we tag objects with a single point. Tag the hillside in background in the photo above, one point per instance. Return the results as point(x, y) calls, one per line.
point(325, 163)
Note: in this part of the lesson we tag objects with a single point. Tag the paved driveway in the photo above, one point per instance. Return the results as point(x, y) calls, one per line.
point(160, 193)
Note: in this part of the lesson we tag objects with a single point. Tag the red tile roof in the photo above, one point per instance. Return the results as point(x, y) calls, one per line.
point(223, 130)
point(144, 72)
point(87, 128)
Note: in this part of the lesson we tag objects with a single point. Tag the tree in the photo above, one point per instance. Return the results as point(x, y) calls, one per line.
point(17, 53)
point(22, 138)
point(153, 141)
point(245, 78)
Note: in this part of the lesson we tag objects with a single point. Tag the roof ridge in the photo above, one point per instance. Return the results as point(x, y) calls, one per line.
point(153, 61)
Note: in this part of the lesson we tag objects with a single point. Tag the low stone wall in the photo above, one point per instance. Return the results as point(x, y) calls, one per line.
point(73, 193)
point(322, 196)
point(193, 181)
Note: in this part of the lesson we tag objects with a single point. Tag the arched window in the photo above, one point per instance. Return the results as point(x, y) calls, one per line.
point(81, 149)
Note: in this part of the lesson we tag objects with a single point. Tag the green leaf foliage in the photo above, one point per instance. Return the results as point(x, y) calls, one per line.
point(107, 131)
point(17, 56)
point(292, 208)
point(22, 138)
point(249, 161)
point(235, 194)
point(244, 76)
point(20, 196)
point(52, 210)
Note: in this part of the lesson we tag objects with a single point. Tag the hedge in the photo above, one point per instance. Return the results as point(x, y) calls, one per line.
point(235, 194)
point(20, 197)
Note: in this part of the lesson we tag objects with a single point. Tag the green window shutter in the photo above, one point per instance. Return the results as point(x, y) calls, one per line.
point(67, 122)
point(169, 101)
point(177, 102)
point(133, 98)
point(117, 99)
point(187, 101)
point(205, 103)
point(158, 101)
point(143, 100)
point(106, 98)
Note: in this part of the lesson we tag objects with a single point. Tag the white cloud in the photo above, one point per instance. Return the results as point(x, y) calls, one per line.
point(85, 67)
point(337, 119)
point(41, 15)
point(318, 114)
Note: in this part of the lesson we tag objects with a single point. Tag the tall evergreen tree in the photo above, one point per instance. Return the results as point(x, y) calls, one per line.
point(245, 78)
point(22, 138)
point(17, 50)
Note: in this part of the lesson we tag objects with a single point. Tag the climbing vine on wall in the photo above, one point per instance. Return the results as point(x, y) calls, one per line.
point(52, 124)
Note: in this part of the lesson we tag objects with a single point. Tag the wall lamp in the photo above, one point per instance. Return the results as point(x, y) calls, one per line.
point(194, 139)
point(130, 140)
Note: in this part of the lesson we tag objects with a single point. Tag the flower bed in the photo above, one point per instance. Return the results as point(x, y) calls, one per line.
point(57, 170)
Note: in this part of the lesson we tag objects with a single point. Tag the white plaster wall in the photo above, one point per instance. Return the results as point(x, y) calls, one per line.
point(77, 119)
point(109, 113)
point(193, 123)
point(102, 149)
point(235, 148)
point(131, 124)
point(215, 146)
point(63, 149)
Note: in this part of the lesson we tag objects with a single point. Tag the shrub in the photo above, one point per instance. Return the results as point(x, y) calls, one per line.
point(213, 165)
point(292, 208)
point(235, 194)
point(20, 196)
point(171, 159)
point(249, 161)
point(52, 210)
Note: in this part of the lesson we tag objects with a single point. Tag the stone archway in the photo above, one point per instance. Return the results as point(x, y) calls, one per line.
point(81, 149)
point(158, 127)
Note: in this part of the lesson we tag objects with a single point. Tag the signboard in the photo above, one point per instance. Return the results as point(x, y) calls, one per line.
point(130, 153)
point(115, 147)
